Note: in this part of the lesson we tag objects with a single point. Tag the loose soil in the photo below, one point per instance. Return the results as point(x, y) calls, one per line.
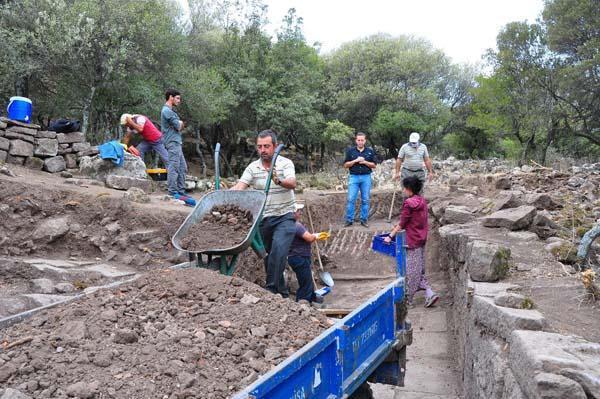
point(104, 227)
point(225, 226)
point(171, 334)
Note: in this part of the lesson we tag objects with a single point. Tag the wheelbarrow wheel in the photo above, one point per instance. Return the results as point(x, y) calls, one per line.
point(363, 392)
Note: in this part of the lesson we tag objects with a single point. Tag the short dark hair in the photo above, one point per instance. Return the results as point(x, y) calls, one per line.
point(171, 92)
point(268, 133)
point(413, 184)
point(360, 134)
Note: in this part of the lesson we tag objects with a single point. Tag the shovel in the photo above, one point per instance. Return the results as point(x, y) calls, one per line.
point(389, 219)
point(323, 275)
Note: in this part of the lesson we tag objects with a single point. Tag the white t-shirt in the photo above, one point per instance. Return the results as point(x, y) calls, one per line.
point(413, 158)
point(280, 200)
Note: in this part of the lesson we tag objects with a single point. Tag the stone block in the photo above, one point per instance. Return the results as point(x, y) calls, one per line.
point(12, 122)
point(68, 138)
point(79, 147)
point(45, 135)
point(12, 159)
point(55, 164)
point(544, 226)
point(2, 132)
point(11, 393)
point(43, 286)
point(63, 151)
point(51, 229)
point(4, 144)
point(502, 320)
point(70, 161)
point(135, 194)
point(19, 136)
point(3, 125)
point(507, 199)
point(22, 130)
point(457, 215)
point(3, 155)
point(510, 300)
point(503, 183)
point(512, 219)
point(98, 168)
point(20, 148)
point(34, 163)
point(125, 183)
point(46, 147)
point(541, 201)
point(455, 240)
point(487, 261)
point(90, 152)
point(546, 365)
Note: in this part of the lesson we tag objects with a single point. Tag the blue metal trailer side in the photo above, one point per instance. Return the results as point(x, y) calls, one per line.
point(368, 344)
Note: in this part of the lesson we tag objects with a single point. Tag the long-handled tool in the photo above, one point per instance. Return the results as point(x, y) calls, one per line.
point(389, 219)
point(323, 275)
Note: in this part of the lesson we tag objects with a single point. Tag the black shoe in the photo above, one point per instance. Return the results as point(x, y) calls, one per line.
point(364, 223)
point(348, 224)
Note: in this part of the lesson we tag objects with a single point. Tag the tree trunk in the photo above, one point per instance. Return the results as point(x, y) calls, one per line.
point(22, 87)
point(87, 108)
point(199, 151)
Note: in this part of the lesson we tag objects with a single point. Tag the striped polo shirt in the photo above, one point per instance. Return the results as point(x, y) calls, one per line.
point(413, 158)
point(279, 200)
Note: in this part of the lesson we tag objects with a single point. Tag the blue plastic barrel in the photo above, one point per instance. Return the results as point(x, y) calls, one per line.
point(19, 109)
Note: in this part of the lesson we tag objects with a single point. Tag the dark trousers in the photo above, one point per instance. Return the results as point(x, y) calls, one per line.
point(277, 233)
point(301, 266)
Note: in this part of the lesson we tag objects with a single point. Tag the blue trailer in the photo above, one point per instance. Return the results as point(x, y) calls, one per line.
point(368, 344)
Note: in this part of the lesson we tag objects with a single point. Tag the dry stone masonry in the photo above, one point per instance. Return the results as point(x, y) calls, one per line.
point(26, 145)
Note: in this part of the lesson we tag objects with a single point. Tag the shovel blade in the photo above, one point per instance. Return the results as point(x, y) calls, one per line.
point(326, 279)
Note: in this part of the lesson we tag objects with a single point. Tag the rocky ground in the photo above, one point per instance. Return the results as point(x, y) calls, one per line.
point(171, 334)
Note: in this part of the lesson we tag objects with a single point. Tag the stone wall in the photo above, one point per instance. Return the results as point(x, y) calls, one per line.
point(504, 347)
point(26, 145)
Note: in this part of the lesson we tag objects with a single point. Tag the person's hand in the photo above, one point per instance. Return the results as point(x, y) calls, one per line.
point(274, 177)
point(387, 239)
point(360, 160)
point(397, 176)
point(430, 177)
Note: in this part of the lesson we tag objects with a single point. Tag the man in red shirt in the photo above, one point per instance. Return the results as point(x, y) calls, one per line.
point(152, 139)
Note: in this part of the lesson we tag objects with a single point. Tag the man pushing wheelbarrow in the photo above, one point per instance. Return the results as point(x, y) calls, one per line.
point(278, 226)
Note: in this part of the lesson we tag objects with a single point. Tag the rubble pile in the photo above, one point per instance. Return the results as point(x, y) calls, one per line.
point(26, 145)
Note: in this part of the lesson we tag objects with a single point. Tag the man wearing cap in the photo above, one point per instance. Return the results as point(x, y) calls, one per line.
point(413, 158)
point(152, 139)
point(360, 162)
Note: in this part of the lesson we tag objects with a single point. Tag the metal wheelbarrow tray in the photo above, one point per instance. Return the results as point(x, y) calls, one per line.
point(252, 200)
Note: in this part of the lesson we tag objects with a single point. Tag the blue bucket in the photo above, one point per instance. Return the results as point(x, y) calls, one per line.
point(19, 109)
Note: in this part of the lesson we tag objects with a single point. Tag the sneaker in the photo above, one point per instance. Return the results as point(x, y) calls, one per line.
point(364, 223)
point(348, 224)
point(429, 302)
point(318, 298)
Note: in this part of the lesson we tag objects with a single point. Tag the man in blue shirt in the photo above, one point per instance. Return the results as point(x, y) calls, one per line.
point(360, 161)
point(171, 127)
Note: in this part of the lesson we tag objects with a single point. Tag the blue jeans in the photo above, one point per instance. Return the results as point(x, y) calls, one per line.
point(356, 183)
point(158, 146)
point(301, 266)
point(277, 233)
point(176, 169)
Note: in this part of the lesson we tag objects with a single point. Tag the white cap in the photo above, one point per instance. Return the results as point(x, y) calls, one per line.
point(298, 206)
point(414, 137)
point(124, 117)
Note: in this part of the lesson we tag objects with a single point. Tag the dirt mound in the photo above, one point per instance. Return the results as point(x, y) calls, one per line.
point(224, 226)
point(188, 333)
point(51, 222)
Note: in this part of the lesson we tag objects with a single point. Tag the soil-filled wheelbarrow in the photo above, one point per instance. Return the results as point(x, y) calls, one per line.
point(224, 259)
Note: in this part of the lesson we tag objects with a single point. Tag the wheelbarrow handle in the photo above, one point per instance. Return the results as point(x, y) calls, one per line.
point(275, 155)
point(217, 168)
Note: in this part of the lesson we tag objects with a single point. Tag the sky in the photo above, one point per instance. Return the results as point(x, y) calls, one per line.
point(463, 29)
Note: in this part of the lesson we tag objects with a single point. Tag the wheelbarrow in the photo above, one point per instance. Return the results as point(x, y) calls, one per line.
point(225, 259)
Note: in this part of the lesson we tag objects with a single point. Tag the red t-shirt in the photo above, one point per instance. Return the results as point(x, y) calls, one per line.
point(149, 131)
point(415, 221)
